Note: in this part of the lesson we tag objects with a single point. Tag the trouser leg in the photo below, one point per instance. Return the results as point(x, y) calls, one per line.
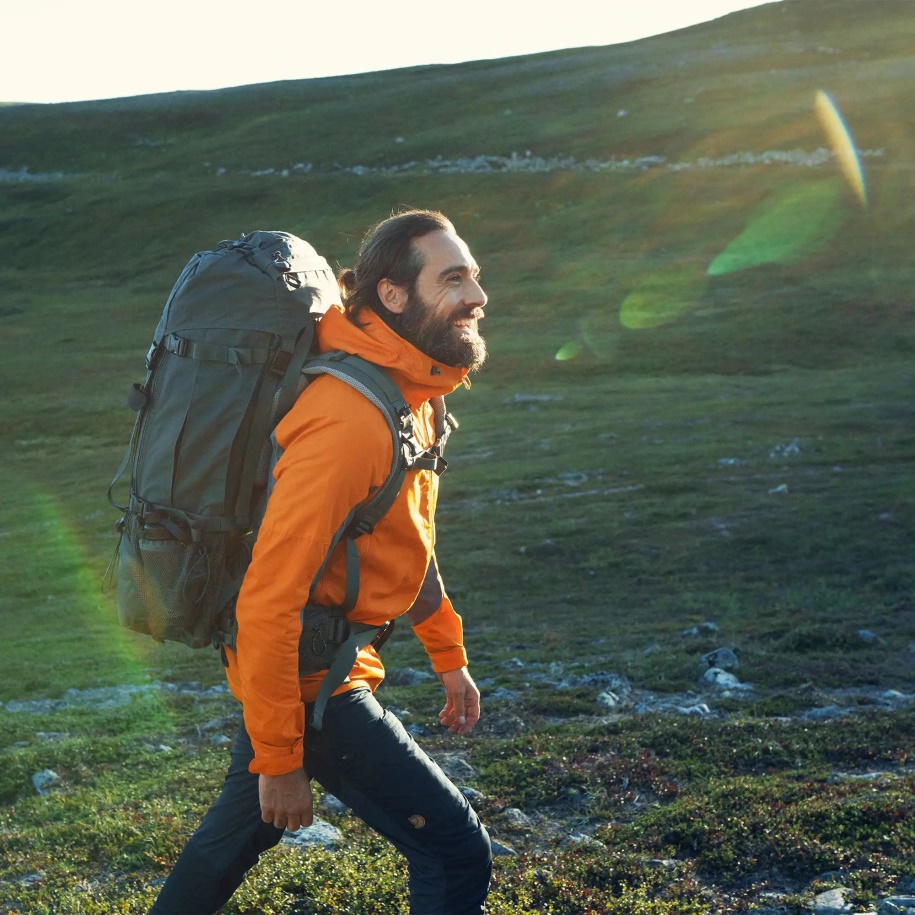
point(225, 846)
point(366, 758)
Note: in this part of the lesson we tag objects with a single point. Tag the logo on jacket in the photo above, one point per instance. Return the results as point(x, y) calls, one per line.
point(417, 821)
point(435, 370)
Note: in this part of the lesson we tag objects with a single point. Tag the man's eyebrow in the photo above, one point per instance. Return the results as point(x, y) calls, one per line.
point(472, 269)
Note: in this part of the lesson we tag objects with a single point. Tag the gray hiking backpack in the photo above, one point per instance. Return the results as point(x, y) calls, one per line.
point(233, 350)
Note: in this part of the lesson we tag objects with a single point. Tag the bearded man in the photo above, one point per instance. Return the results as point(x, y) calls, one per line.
point(411, 305)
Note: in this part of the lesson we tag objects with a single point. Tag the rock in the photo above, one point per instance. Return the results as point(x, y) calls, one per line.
point(220, 724)
point(608, 699)
point(476, 798)
point(503, 726)
point(516, 818)
point(723, 658)
point(667, 864)
point(330, 804)
point(577, 839)
point(723, 680)
point(700, 708)
point(320, 833)
point(501, 694)
point(867, 636)
point(500, 848)
point(832, 902)
point(896, 905)
point(28, 879)
point(706, 628)
point(455, 766)
point(45, 780)
point(220, 740)
point(407, 676)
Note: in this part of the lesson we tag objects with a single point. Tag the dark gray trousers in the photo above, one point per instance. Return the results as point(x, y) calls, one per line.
point(364, 756)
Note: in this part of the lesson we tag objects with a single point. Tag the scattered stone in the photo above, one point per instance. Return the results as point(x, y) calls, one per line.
point(331, 804)
point(52, 735)
point(667, 864)
point(501, 694)
point(721, 679)
point(220, 724)
point(407, 676)
point(502, 726)
point(781, 488)
point(45, 780)
point(500, 848)
point(417, 730)
point(826, 713)
point(29, 880)
point(700, 708)
point(320, 833)
point(516, 818)
point(896, 905)
point(220, 740)
point(867, 636)
point(723, 658)
point(832, 902)
point(475, 797)
point(780, 451)
point(514, 662)
point(608, 699)
point(455, 766)
point(706, 628)
point(577, 839)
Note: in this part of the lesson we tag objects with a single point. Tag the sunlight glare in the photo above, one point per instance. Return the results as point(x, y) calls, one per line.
point(842, 144)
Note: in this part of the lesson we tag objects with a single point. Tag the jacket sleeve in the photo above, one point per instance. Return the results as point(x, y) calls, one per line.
point(336, 449)
point(436, 623)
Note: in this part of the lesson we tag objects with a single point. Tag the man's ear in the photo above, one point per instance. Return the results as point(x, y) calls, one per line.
point(394, 298)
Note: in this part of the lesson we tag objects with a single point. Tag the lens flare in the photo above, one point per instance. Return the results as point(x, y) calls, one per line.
point(663, 297)
point(797, 224)
point(568, 351)
point(842, 144)
point(600, 331)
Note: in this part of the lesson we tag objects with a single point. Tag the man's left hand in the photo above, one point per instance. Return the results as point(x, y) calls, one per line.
point(462, 701)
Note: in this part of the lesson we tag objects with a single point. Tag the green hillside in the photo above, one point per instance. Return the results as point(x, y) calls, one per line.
point(698, 409)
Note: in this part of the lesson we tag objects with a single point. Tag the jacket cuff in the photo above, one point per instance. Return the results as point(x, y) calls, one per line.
point(277, 762)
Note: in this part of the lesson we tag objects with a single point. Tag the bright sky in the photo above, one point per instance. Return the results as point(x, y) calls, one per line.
point(71, 50)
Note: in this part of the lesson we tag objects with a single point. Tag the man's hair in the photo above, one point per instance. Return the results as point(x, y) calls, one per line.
point(387, 252)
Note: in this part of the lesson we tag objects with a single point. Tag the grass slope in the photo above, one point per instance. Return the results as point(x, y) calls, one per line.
point(729, 445)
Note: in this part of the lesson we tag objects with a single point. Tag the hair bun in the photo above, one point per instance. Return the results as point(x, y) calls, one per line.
point(346, 280)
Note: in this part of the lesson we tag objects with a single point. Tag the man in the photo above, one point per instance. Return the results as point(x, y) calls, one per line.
point(412, 305)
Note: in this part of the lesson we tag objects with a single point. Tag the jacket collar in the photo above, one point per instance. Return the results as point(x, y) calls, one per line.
point(417, 376)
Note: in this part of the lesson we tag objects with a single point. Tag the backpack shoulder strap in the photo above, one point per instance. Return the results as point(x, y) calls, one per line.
point(375, 384)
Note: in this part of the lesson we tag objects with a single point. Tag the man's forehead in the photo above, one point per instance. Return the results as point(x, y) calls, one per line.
point(444, 249)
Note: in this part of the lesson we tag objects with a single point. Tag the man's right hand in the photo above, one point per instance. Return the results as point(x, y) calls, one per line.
point(286, 799)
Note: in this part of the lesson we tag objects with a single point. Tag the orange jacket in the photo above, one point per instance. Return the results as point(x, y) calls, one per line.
point(336, 449)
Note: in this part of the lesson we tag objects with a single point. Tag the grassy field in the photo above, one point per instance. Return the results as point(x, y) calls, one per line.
point(695, 431)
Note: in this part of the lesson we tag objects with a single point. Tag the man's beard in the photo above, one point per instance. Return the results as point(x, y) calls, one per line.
point(436, 335)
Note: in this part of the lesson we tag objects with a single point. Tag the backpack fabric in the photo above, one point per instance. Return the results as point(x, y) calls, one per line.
point(234, 348)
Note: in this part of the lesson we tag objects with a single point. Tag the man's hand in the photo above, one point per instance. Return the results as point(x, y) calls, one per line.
point(286, 799)
point(462, 701)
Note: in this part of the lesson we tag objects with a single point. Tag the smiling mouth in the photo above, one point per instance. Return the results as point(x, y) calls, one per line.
point(467, 327)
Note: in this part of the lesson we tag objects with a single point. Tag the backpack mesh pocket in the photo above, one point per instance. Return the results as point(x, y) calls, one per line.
point(166, 587)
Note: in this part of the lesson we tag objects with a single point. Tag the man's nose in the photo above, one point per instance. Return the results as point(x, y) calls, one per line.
point(476, 295)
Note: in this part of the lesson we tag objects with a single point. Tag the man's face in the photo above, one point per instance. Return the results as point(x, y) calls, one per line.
point(440, 316)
